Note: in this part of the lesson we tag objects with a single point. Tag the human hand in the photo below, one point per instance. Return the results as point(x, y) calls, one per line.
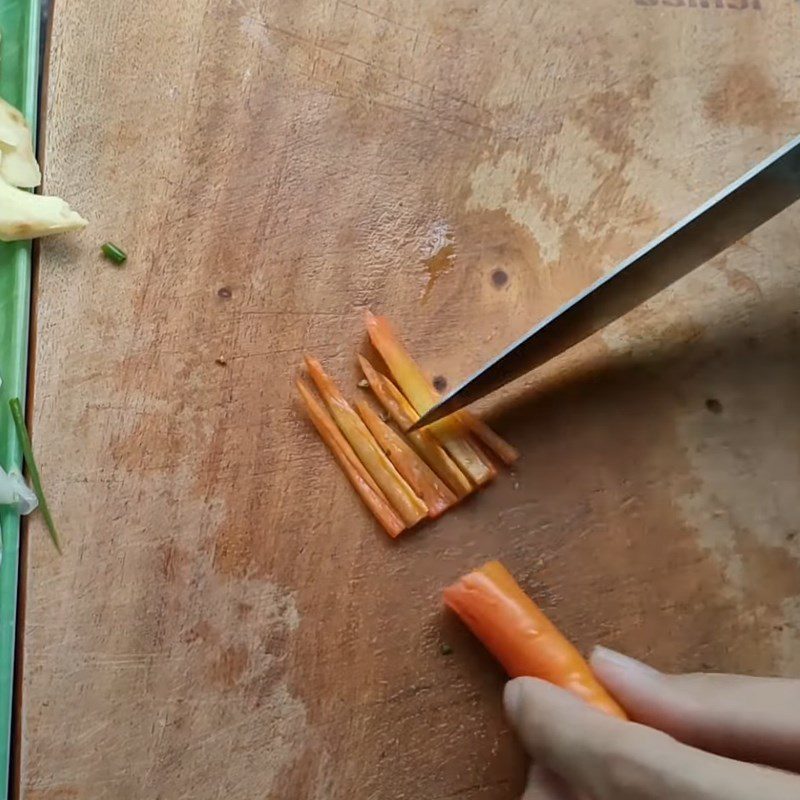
point(695, 737)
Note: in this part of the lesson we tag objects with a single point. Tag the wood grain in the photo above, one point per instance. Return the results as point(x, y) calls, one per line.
point(227, 621)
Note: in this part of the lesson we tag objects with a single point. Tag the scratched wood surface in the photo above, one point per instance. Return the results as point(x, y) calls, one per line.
point(227, 621)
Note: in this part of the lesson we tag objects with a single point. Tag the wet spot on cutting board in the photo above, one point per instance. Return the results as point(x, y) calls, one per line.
point(748, 96)
point(440, 383)
point(714, 405)
point(438, 254)
point(484, 239)
point(588, 213)
point(439, 264)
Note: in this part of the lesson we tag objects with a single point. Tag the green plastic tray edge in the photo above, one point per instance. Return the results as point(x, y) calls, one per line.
point(19, 75)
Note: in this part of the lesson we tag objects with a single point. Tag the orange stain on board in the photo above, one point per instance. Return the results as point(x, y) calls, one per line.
point(439, 255)
point(487, 243)
point(439, 265)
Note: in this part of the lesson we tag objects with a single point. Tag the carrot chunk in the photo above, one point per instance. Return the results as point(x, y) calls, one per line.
point(519, 635)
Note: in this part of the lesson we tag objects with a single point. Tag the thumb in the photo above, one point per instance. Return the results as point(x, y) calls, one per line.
point(610, 759)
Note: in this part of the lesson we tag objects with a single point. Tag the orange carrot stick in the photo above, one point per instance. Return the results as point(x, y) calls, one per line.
point(408, 375)
point(518, 634)
point(362, 481)
point(410, 508)
point(333, 434)
point(423, 396)
point(419, 476)
point(401, 411)
point(496, 443)
point(421, 392)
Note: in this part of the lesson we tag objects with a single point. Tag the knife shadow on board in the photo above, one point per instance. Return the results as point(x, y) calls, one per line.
point(619, 395)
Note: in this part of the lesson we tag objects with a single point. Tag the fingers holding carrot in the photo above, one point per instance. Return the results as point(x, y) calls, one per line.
point(580, 753)
point(704, 737)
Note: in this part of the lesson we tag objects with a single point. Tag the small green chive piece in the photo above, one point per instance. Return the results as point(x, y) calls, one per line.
point(113, 253)
point(33, 469)
point(446, 650)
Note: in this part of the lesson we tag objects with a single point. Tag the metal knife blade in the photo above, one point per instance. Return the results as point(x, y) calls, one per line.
point(737, 210)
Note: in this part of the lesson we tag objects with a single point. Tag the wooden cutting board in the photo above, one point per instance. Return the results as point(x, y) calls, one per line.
point(227, 620)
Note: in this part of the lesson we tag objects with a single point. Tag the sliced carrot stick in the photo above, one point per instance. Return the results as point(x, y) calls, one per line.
point(419, 476)
point(463, 452)
point(404, 369)
point(519, 635)
point(496, 443)
point(410, 508)
point(333, 433)
point(392, 399)
point(401, 411)
point(423, 396)
point(356, 472)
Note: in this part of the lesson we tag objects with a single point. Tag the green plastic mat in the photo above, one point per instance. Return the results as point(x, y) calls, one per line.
point(19, 79)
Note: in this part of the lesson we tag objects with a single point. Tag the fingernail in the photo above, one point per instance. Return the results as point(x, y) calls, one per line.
point(605, 657)
point(512, 699)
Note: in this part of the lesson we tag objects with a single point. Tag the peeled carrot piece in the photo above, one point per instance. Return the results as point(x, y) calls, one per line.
point(419, 476)
point(401, 411)
point(420, 391)
point(519, 635)
point(423, 396)
point(362, 481)
point(333, 433)
point(463, 452)
point(496, 443)
point(410, 508)
point(408, 375)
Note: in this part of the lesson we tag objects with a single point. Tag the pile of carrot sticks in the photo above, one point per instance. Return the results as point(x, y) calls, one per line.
point(402, 478)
